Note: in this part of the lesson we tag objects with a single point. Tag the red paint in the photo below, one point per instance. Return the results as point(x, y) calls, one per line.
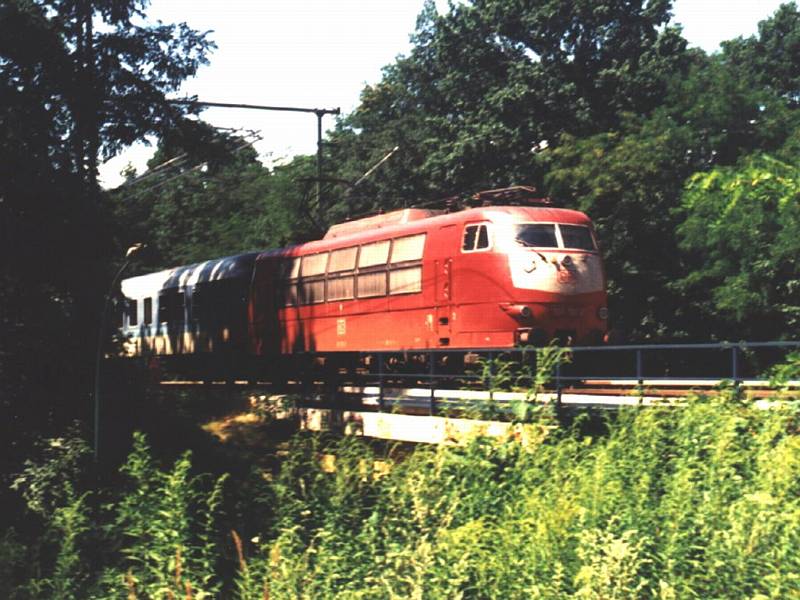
point(461, 304)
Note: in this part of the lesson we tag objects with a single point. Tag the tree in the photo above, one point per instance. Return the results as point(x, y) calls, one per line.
point(772, 58)
point(79, 79)
point(96, 73)
point(742, 232)
point(491, 81)
point(213, 198)
point(631, 181)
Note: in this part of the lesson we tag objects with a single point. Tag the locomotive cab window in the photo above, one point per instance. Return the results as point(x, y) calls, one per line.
point(576, 236)
point(554, 235)
point(476, 238)
point(536, 235)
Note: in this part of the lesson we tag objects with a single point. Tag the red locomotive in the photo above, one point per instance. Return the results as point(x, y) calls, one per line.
point(488, 277)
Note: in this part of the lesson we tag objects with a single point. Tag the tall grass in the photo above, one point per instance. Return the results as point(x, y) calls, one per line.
point(698, 502)
point(155, 538)
point(701, 501)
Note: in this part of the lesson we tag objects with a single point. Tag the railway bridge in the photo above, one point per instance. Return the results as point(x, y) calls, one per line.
point(492, 391)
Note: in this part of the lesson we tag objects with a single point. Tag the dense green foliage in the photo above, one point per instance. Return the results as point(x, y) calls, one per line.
point(744, 221)
point(489, 82)
point(642, 513)
point(155, 536)
point(699, 501)
point(215, 199)
point(78, 81)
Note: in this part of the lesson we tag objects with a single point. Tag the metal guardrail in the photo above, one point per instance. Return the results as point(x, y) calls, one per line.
point(704, 362)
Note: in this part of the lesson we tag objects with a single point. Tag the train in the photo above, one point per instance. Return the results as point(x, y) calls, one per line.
point(491, 276)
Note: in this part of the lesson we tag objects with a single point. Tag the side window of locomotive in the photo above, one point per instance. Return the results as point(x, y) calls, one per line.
point(375, 254)
point(476, 237)
point(576, 236)
point(341, 274)
point(147, 318)
point(372, 260)
point(409, 248)
point(470, 235)
point(312, 272)
point(293, 267)
point(483, 238)
point(313, 265)
point(288, 281)
point(405, 275)
point(163, 307)
point(289, 291)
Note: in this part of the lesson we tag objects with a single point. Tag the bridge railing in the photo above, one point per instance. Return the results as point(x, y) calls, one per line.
point(492, 369)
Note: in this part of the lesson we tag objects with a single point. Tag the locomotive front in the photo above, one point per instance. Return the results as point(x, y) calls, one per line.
point(557, 284)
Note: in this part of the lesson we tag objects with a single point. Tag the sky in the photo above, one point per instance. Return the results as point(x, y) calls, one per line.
point(321, 54)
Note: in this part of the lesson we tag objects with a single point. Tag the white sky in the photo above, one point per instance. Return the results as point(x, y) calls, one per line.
point(321, 53)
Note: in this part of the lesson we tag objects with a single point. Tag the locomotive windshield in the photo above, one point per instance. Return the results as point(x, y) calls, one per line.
point(539, 235)
point(576, 236)
point(544, 235)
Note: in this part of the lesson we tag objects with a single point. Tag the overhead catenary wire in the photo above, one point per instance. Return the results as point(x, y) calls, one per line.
point(177, 161)
point(192, 169)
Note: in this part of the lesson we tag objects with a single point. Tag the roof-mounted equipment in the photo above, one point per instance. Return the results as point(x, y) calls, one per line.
point(517, 195)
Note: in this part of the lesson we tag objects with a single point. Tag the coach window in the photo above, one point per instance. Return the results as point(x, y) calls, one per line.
point(171, 307)
point(341, 274)
point(312, 271)
point(372, 261)
point(405, 274)
point(147, 318)
point(200, 299)
point(476, 238)
point(133, 313)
